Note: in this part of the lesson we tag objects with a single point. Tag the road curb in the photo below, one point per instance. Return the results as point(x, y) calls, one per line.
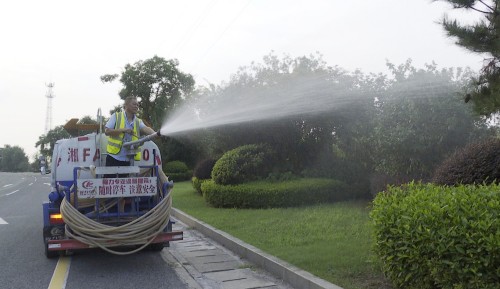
point(299, 278)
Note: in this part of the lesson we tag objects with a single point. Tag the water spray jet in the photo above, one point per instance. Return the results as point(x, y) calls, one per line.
point(308, 95)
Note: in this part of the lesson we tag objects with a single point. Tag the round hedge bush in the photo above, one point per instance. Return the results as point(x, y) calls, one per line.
point(177, 171)
point(243, 164)
point(265, 194)
point(429, 236)
point(477, 163)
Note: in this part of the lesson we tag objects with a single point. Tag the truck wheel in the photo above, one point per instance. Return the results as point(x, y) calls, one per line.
point(156, 247)
point(50, 254)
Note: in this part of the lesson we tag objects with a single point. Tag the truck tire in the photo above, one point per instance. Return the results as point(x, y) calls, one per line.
point(156, 247)
point(50, 254)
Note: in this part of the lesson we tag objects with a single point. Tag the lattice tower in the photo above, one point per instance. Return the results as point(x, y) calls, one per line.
point(48, 118)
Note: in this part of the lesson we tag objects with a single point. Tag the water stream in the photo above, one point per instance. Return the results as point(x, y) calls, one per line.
point(309, 95)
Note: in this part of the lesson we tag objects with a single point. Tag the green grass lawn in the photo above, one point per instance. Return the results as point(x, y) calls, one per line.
point(331, 241)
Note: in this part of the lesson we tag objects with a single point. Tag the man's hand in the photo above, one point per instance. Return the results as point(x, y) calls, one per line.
point(147, 130)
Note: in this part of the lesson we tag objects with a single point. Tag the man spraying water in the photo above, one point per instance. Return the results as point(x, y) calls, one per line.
point(124, 126)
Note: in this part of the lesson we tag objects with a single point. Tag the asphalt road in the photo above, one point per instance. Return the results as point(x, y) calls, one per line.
point(22, 260)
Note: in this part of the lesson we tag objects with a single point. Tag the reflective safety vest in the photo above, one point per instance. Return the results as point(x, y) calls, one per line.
point(115, 142)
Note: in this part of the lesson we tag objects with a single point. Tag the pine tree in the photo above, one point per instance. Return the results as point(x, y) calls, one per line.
point(482, 37)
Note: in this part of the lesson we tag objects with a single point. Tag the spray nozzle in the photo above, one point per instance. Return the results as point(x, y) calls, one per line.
point(142, 140)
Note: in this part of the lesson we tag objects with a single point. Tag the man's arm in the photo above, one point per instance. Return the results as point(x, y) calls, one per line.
point(146, 130)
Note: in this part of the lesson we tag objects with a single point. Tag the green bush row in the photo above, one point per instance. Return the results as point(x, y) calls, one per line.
point(429, 236)
point(179, 177)
point(175, 167)
point(263, 194)
point(177, 171)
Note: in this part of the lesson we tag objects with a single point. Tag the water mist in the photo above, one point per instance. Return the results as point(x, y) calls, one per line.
point(307, 95)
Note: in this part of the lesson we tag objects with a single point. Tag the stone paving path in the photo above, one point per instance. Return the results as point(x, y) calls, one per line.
point(212, 266)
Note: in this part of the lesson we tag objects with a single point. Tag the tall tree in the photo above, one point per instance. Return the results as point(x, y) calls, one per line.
point(399, 125)
point(277, 92)
point(420, 121)
point(159, 85)
point(46, 142)
point(13, 159)
point(484, 38)
point(88, 120)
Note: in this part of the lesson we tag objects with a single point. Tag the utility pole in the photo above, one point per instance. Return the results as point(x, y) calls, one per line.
point(48, 118)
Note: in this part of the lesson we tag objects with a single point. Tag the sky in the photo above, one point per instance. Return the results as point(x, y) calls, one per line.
point(73, 43)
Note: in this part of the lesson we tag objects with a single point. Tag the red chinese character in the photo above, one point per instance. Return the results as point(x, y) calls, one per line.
point(72, 155)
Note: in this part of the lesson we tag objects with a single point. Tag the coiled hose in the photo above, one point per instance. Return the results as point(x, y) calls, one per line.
point(139, 231)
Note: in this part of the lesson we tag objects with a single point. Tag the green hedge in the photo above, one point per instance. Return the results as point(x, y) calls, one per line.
point(177, 171)
point(175, 167)
point(196, 182)
point(179, 177)
point(263, 194)
point(429, 236)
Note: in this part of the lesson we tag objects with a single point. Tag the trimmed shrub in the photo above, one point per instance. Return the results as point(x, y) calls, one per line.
point(203, 169)
point(177, 171)
point(197, 184)
point(243, 164)
point(429, 236)
point(263, 194)
point(477, 163)
point(281, 176)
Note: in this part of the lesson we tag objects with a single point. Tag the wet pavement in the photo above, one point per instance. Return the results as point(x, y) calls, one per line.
point(203, 263)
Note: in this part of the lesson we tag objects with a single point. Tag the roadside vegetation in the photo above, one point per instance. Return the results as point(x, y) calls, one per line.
point(430, 236)
point(422, 235)
point(301, 186)
point(332, 241)
point(13, 159)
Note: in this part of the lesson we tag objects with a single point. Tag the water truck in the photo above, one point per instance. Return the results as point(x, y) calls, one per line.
point(119, 209)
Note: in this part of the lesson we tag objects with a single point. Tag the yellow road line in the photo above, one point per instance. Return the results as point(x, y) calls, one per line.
point(60, 275)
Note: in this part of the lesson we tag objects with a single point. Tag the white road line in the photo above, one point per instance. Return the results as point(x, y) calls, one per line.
point(30, 184)
point(8, 185)
point(48, 184)
point(12, 193)
point(3, 222)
